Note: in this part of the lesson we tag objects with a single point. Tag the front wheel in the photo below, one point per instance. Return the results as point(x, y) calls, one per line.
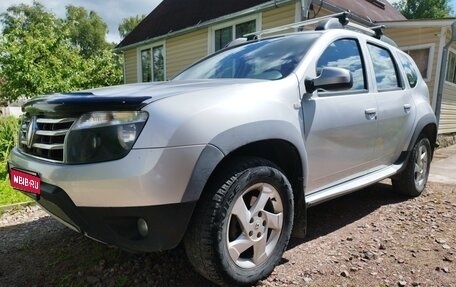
point(413, 179)
point(242, 224)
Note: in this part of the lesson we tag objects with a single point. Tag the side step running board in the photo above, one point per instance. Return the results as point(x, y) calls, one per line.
point(350, 186)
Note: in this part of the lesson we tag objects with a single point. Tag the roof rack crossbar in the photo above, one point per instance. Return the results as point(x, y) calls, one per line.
point(296, 25)
point(376, 31)
point(343, 17)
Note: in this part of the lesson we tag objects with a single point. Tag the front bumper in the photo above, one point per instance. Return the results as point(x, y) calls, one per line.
point(119, 226)
point(144, 177)
point(105, 200)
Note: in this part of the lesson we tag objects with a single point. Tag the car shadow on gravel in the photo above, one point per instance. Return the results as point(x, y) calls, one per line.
point(44, 252)
point(330, 216)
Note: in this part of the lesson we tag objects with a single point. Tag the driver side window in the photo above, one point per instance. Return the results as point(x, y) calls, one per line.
point(345, 53)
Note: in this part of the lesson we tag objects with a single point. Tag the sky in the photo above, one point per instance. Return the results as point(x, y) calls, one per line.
point(112, 11)
point(452, 3)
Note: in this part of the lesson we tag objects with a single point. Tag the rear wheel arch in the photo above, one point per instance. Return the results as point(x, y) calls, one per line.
point(426, 126)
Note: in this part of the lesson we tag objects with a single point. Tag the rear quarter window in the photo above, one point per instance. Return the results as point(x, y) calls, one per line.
point(410, 70)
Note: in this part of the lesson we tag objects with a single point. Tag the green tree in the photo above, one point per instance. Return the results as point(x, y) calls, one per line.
point(128, 24)
point(87, 30)
point(424, 9)
point(24, 16)
point(37, 56)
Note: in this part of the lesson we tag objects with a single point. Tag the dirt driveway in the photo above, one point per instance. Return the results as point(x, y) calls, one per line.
point(370, 238)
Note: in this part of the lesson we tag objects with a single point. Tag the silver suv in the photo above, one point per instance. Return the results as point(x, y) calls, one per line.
point(228, 155)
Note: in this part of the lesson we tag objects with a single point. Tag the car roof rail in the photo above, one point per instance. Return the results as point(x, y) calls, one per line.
point(236, 42)
point(334, 21)
point(296, 25)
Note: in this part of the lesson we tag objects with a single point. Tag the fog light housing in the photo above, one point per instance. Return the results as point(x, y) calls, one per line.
point(142, 226)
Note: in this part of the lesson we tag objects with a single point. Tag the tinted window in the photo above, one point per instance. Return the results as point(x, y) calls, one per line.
point(410, 71)
point(451, 68)
point(224, 36)
point(146, 66)
point(385, 71)
point(421, 58)
point(268, 59)
point(158, 64)
point(344, 54)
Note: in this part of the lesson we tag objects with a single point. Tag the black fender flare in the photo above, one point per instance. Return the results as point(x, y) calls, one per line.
point(234, 138)
point(423, 122)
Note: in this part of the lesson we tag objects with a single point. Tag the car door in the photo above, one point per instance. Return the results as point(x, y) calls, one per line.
point(396, 110)
point(339, 127)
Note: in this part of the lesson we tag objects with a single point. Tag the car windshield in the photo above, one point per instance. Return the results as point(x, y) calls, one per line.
point(268, 59)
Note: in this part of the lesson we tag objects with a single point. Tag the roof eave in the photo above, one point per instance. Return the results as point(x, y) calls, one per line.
point(205, 24)
point(421, 23)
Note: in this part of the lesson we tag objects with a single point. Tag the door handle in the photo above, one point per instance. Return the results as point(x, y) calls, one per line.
point(371, 114)
point(407, 108)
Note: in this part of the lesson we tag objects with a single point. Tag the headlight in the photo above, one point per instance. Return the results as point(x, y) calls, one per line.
point(103, 136)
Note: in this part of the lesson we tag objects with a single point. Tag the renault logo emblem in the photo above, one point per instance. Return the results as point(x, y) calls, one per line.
point(31, 132)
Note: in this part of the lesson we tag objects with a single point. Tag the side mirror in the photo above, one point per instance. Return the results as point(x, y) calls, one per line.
point(331, 79)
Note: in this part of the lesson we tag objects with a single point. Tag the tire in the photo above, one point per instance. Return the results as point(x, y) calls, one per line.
point(242, 224)
point(412, 181)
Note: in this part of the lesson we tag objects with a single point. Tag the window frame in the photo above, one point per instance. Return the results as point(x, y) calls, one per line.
point(431, 47)
point(150, 47)
point(452, 51)
point(232, 24)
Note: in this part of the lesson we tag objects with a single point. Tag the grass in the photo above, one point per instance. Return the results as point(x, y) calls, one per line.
point(122, 281)
point(10, 196)
point(9, 127)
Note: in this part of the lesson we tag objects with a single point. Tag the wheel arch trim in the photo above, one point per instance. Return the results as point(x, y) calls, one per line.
point(230, 140)
point(428, 119)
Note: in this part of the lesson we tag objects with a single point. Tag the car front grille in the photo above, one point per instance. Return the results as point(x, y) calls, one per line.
point(44, 137)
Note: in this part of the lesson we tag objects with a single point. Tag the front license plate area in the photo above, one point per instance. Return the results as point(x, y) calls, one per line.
point(27, 181)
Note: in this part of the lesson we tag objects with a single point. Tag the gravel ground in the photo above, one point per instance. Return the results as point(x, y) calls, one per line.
point(369, 238)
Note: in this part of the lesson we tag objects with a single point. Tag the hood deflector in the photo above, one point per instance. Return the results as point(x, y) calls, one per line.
point(82, 102)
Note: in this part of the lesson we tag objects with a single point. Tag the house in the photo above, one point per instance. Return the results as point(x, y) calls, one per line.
point(177, 33)
point(431, 45)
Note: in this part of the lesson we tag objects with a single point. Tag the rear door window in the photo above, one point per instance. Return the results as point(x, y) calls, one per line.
point(386, 75)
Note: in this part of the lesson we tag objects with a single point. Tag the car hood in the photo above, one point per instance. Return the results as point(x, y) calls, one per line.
point(122, 97)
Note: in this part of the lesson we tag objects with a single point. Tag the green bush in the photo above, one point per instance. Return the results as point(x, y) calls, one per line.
point(9, 128)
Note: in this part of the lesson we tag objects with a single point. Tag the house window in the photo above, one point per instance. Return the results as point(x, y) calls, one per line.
point(152, 64)
point(146, 67)
point(225, 35)
point(423, 59)
point(451, 68)
point(158, 64)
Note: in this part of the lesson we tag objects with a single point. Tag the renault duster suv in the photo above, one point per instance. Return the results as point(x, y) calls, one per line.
point(227, 156)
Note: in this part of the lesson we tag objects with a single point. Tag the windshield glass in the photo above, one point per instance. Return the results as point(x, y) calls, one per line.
point(268, 59)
